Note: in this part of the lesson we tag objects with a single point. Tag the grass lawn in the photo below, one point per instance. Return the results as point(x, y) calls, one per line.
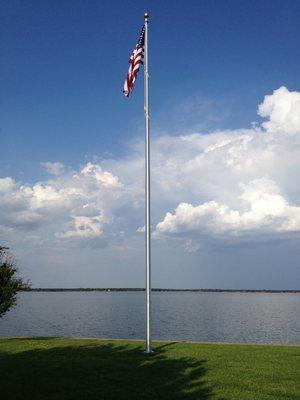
point(117, 369)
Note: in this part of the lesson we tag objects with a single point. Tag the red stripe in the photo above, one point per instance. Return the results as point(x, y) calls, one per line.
point(136, 59)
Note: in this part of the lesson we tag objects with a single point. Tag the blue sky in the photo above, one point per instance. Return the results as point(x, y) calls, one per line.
point(211, 64)
point(63, 66)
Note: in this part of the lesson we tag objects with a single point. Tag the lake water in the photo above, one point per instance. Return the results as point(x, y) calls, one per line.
point(216, 317)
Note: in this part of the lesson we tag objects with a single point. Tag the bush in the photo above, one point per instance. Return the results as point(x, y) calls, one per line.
point(10, 282)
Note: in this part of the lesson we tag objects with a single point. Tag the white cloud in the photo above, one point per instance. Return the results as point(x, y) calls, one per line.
point(84, 201)
point(266, 210)
point(95, 171)
point(282, 108)
point(232, 182)
point(85, 227)
point(224, 174)
point(53, 168)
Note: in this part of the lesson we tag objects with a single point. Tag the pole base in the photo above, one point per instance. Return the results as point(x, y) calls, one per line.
point(146, 351)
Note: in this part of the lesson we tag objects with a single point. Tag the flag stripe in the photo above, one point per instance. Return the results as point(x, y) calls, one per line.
point(135, 61)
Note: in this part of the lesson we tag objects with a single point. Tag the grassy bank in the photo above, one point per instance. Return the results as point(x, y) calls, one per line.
point(102, 369)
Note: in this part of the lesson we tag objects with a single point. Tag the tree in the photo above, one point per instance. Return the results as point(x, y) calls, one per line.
point(10, 282)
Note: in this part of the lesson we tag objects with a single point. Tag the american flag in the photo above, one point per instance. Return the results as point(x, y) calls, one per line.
point(136, 59)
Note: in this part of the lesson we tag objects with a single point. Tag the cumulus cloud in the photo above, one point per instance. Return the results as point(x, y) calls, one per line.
point(104, 177)
point(85, 227)
point(282, 109)
point(265, 210)
point(82, 202)
point(239, 181)
point(224, 183)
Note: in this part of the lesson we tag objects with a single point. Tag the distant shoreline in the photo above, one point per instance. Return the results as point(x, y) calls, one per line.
point(158, 290)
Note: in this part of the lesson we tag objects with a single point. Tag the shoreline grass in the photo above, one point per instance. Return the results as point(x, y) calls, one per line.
point(77, 368)
point(140, 340)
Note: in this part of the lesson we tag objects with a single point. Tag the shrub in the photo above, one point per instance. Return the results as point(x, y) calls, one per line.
point(10, 282)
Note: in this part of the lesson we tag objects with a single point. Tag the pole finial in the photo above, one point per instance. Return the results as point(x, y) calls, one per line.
point(146, 16)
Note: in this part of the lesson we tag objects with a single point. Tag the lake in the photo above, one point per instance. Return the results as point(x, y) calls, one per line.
point(195, 316)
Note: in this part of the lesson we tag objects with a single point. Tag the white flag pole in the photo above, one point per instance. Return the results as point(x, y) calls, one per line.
point(147, 191)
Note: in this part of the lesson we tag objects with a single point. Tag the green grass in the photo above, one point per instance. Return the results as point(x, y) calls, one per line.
point(117, 369)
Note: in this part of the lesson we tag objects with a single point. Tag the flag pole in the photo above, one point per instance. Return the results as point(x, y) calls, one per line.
point(147, 191)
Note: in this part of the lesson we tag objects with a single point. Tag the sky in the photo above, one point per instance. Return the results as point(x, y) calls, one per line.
point(225, 135)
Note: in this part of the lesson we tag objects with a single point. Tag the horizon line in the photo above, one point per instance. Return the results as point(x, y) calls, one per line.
point(137, 289)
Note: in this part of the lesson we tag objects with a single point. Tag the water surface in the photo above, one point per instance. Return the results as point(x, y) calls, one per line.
point(199, 316)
